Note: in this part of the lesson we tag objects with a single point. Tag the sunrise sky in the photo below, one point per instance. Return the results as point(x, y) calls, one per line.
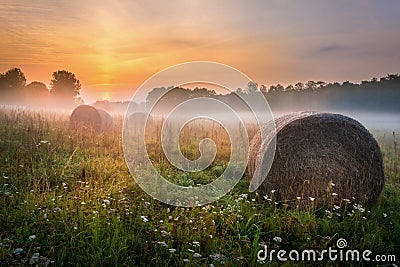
point(114, 46)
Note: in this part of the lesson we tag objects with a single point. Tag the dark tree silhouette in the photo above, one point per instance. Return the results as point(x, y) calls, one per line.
point(65, 85)
point(36, 88)
point(13, 79)
point(36, 94)
point(12, 83)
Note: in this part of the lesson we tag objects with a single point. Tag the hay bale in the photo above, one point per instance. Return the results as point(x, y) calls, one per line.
point(89, 117)
point(136, 120)
point(329, 157)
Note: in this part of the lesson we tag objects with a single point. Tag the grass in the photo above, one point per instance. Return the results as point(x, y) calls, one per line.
point(68, 196)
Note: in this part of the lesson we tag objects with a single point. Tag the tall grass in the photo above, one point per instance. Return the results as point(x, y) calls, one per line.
point(69, 196)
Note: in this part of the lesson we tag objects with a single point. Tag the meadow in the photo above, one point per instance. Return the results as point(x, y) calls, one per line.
point(67, 199)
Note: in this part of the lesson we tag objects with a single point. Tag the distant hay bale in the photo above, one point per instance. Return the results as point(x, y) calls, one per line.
point(322, 158)
point(89, 117)
point(137, 119)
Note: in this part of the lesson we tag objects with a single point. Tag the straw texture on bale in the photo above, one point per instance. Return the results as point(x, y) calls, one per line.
point(89, 117)
point(321, 158)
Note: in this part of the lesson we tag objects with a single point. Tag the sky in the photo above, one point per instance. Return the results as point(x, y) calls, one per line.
point(114, 46)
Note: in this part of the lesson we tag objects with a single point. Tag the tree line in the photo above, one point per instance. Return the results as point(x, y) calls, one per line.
point(370, 95)
point(64, 89)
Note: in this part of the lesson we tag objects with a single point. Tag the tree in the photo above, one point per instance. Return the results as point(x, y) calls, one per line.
point(65, 85)
point(252, 87)
point(289, 88)
point(36, 93)
point(37, 87)
point(13, 78)
point(299, 86)
point(11, 84)
point(263, 88)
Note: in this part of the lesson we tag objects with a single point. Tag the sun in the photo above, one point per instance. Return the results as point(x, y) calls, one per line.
point(105, 96)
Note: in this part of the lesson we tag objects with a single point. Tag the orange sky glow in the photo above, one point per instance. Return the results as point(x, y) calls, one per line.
point(114, 46)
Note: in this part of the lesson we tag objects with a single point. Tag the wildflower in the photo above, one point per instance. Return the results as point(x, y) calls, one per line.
point(196, 243)
point(312, 199)
point(34, 259)
point(217, 257)
point(162, 243)
point(334, 194)
point(359, 207)
point(83, 203)
point(385, 215)
point(273, 191)
point(298, 198)
point(18, 251)
point(190, 250)
point(144, 218)
point(332, 184)
point(185, 260)
point(277, 239)
point(106, 201)
point(32, 237)
point(165, 233)
point(346, 200)
point(197, 255)
point(172, 250)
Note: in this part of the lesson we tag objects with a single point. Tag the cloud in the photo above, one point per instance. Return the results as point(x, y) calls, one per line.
point(332, 48)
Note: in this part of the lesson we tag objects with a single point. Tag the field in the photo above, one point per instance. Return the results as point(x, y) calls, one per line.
point(68, 199)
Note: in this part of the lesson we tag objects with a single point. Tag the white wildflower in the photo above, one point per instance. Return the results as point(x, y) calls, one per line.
point(34, 259)
point(18, 251)
point(277, 239)
point(162, 243)
point(32, 237)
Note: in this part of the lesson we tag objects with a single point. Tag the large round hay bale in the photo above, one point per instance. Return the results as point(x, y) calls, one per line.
point(89, 117)
point(322, 158)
